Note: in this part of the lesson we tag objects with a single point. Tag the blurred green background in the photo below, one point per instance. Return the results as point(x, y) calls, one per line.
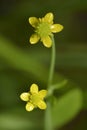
point(22, 64)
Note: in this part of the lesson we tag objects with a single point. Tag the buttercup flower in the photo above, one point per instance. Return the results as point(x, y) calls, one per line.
point(44, 28)
point(34, 98)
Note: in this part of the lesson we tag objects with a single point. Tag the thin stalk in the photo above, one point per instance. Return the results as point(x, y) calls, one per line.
point(48, 113)
point(48, 117)
point(52, 65)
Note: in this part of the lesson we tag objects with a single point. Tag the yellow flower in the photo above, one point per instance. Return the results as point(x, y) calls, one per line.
point(44, 28)
point(34, 98)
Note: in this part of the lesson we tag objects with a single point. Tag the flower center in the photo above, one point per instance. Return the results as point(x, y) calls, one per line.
point(34, 99)
point(43, 29)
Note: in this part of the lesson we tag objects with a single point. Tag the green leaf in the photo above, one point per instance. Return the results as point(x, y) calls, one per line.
point(14, 122)
point(24, 61)
point(67, 107)
point(20, 59)
point(19, 119)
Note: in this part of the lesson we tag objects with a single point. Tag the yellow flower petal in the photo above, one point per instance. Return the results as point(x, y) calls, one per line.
point(48, 18)
point(41, 104)
point(33, 21)
point(44, 27)
point(34, 89)
point(56, 28)
point(47, 41)
point(25, 96)
point(29, 106)
point(34, 38)
point(42, 93)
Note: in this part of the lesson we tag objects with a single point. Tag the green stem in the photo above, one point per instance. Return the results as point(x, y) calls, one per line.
point(52, 65)
point(48, 117)
point(48, 113)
